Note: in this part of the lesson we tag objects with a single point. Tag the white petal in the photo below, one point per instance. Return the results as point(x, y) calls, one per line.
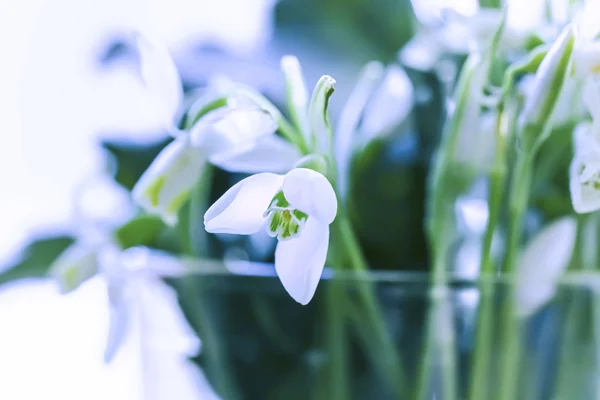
point(586, 58)
point(240, 210)
point(296, 92)
point(391, 104)
point(74, 266)
point(347, 126)
point(545, 258)
point(586, 163)
point(591, 98)
point(299, 262)
point(228, 129)
point(311, 193)
point(119, 314)
point(166, 184)
point(161, 78)
point(271, 153)
point(584, 196)
point(165, 326)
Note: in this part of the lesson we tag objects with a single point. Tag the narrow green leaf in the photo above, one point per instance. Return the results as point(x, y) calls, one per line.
point(37, 258)
point(140, 231)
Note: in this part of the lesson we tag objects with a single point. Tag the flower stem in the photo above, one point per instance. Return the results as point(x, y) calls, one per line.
point(382, 351)
point(519, 196)
point(195, 239)
point(337, 338)
point(485, 322)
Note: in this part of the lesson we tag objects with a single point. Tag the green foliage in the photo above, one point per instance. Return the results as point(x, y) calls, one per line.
point(37, 258)
point(140, 231)
point(365, 29)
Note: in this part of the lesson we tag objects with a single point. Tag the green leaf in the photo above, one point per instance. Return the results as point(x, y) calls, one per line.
point(132, 159)
point(140, 231)
point(37, 258)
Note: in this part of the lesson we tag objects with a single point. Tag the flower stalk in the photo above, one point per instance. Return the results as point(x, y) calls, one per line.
point(534, 130)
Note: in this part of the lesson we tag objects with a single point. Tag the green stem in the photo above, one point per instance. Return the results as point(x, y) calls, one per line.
point(519, 196)
point(382, 351)
point(485, 322)
point(337, 338)
point(195, 239)
point(439, 309)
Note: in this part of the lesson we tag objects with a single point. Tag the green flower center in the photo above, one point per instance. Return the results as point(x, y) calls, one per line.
point(283, 221)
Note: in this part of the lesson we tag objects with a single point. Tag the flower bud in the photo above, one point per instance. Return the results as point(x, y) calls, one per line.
point(548, 83)
point(317, 112)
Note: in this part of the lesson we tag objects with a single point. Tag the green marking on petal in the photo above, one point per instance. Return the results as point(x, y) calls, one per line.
point(154, 189)
point(300, 215)
point(283, 221)
point(274, 222)
point(178, 202)
point(279, 200)
point(70, 277)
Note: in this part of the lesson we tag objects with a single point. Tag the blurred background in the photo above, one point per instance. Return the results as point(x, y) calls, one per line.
point(73, 110)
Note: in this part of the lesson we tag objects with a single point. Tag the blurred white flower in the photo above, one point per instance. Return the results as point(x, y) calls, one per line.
point(584, 172)
point(141, 304)
point(381, 100)
point(235, 139)
point(297, 208)
point(241, 138)
point(542, 263)
point(132, 282)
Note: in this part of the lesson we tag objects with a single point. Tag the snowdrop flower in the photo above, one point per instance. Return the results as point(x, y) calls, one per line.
point(297, 208)
point(145, 308)
point(548, 83)
point(584, 172)
point(235, 139)
point(542, 263)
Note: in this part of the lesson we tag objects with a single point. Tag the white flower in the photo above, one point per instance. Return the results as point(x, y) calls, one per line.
point(297, 208)
point(235, 139)
point(584, 172)
point(542, 263)
point(145, 309)
point(380, 102)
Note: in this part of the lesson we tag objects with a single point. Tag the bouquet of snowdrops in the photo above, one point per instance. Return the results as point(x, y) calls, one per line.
point(521, 102)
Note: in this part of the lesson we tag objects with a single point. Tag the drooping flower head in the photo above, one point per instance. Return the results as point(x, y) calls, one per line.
point(297, 208)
